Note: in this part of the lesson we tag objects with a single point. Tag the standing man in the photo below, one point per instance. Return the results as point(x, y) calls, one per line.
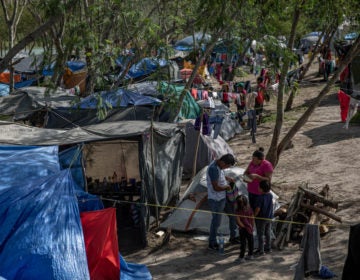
point(217, 184)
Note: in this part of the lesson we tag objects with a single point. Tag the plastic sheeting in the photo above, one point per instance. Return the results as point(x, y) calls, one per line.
point(133, 271)
point(72, 158)
point(41, 235)
point(190, 109)
point(187, 43)
point(39, 162)
point(208, 149)
point(118, 98)
point(185, 218)
point(101, 243)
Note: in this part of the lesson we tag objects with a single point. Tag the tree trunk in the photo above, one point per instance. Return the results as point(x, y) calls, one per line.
point(354, 51)
point(272, 153)
point(25, 41)
point(293, 92)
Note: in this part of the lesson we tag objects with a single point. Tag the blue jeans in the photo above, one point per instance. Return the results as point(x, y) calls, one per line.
point(216, 207)
point(263, 227)
point(230, 209)
point(252, 123)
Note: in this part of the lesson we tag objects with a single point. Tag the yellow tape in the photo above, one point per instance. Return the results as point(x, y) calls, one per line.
point(220, 213)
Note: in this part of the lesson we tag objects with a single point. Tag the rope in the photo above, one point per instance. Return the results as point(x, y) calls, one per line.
point(115, 201)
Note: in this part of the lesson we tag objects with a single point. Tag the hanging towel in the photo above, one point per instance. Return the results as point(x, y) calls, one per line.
point(310, 260)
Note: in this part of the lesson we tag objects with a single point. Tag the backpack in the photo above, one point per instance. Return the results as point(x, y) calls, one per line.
point(260, 97)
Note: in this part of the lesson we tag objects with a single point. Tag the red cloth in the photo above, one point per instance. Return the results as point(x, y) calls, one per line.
point(344, 100)
point(194, 93)
point(261, 93)
point(101, 242)
point(344, 74)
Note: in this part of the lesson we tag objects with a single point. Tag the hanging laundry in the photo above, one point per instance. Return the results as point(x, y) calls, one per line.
point(205, 95)
point(194, 93)
point(344, 100)
point(199, 94)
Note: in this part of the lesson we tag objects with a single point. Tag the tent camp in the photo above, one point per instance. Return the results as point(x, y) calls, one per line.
point(61, 109)
point(163, 144)
point(40, 210)
point(193, 212)
point(127, 161)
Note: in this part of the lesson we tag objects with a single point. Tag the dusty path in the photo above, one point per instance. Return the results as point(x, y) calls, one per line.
point(323, 153)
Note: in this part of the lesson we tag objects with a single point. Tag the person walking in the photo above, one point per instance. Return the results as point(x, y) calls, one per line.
point(251, 113)
point(245, 222)
point(217, 184)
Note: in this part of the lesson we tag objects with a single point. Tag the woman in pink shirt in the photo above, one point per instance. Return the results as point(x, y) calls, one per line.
point(259, 169)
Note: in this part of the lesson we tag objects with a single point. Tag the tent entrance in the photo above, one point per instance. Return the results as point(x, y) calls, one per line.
point(113, 173)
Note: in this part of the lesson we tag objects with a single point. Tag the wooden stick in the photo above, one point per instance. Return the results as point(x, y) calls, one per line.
point(315, 196)
point(321, 211)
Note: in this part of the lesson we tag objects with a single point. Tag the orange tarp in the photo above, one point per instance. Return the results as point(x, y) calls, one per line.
point(5, 77)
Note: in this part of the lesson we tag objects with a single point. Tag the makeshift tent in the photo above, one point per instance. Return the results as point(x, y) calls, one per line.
point(192, 213)
point(35, 218)
point(220, 115)
point(208, 149)
point(75, 75)
point(198, 40)
point(29, 65)
point(101, 243)
point(57, 110)
point(196, 215)
point(190, 109)
point(24, 103)
point(118, 98)
point(146, 67)
point(30, 235)
point(309, 40)
point(160, 149)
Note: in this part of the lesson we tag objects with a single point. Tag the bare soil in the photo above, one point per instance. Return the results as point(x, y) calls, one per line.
point(323, 153)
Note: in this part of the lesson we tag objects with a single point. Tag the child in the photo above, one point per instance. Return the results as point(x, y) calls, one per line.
point(264, 211)
point(245, 221)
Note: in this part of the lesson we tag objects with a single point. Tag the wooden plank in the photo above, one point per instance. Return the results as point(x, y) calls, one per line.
point(321, 211)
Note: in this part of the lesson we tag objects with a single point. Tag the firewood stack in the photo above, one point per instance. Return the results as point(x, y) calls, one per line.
point(306, 206)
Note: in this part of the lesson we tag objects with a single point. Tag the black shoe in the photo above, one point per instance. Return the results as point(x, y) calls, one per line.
point(268, 251)
point(214, 247)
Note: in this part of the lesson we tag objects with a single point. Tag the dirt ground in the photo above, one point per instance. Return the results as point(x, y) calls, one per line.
point(323, 153)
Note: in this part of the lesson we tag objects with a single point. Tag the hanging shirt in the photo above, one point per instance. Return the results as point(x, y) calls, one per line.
point(205, 95)
point(194, 93)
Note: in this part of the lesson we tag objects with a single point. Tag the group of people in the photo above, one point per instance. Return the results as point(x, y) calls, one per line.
point(246, 213)
point(251, 103)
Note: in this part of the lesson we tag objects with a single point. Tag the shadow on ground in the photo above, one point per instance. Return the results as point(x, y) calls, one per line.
point(331, 133)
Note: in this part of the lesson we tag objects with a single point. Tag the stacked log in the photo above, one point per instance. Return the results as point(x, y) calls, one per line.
point(306, 206)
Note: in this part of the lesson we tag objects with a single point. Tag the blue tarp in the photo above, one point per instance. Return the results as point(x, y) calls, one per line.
point(72, 158)
point(20, 164)
point(24, 83)
point(133, 271)
point(187, 43)
point(75, 65)
point(41, 235)
point(118, 98)
point(144, 67)
point(4, 89)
